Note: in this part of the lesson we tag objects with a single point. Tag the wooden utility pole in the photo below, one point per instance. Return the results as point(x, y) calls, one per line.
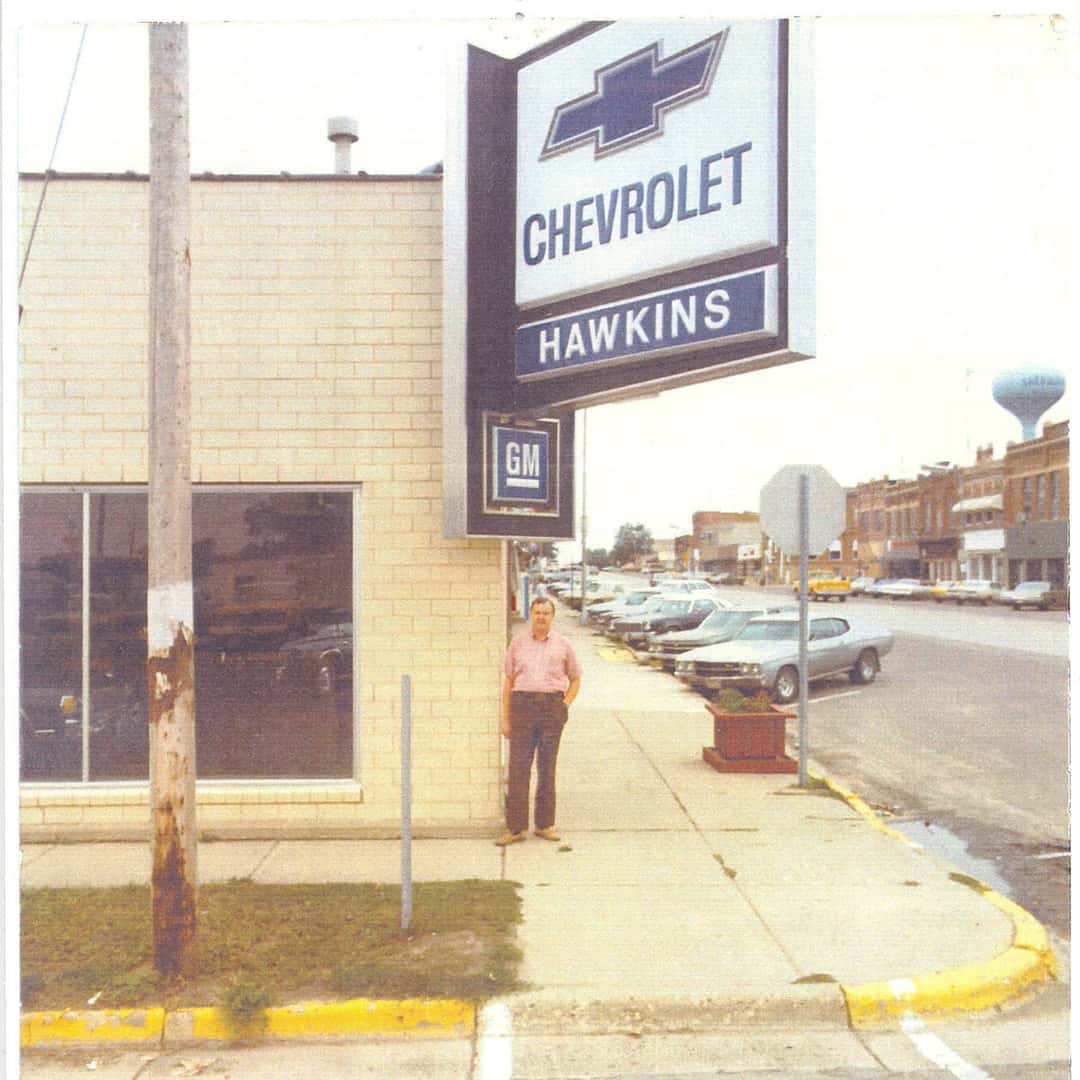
point(170, 597)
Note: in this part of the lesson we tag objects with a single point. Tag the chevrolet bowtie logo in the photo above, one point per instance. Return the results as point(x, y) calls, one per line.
point(631, 96)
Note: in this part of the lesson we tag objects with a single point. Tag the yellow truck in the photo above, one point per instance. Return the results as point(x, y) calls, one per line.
point(821, 585)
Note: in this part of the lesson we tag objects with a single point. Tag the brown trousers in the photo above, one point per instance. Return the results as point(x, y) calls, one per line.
point(536, 724)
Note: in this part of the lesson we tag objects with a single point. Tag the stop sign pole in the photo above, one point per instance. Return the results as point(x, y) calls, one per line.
point(803, 509)
point(804, 622)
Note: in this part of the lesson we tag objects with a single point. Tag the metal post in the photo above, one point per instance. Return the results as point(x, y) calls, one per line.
point(84, 712)
point(406, 802)
point(584, 522)
point(804, 621)
point(170, 599)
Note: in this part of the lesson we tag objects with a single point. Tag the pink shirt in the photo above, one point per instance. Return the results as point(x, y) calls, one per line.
point(546, 666)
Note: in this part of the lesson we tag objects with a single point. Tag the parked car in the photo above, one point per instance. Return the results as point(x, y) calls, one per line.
point(673, 612)
point(941, 591)
point(875, 587)
point(725, 578)
point(823, 584)
point(977, 592)
point(321, 659)
point(598, 614)
point(683, 614)
point(1034, 594)
point(859, 585)
point(905, 588)
point(765, 655)
point(722, 625)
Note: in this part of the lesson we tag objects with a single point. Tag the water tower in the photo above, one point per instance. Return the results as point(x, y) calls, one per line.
point(1027, 393)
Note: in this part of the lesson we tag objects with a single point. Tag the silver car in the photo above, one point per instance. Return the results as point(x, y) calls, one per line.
point(765, 655)
point(976, 591)
point(722, 625)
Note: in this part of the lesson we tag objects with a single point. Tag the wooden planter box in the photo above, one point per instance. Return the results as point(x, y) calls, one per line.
point(749, 742)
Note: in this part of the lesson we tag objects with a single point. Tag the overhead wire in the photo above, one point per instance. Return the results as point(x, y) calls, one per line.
point(52, 158)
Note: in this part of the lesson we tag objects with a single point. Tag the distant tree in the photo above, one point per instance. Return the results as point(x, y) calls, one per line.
point(633, 543)
point(597, 557)
point(530, 551)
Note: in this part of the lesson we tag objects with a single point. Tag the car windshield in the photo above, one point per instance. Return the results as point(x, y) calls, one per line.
point(724, 620)
point(769, 630)
point(1033, 586)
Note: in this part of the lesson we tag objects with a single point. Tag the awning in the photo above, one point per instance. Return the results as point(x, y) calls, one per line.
point(983, 502)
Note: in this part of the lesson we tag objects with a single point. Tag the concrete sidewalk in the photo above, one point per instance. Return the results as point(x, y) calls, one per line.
point(680, 898)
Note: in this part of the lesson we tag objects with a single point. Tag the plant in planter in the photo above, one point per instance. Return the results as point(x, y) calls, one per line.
point(748, 734)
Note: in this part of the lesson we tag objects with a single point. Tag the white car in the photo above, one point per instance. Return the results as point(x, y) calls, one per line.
point(1027, 594)
point(977, 592)
point(904, 588)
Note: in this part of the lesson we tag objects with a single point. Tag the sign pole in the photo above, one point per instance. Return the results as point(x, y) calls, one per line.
point(804, 621)
point(584, 522)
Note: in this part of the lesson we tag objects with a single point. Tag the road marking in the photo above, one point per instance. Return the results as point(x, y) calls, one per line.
point(938, 1052)
point(495, 1043)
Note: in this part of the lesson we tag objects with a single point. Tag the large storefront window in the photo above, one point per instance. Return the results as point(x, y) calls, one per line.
point(273, 634)
point(50, 633)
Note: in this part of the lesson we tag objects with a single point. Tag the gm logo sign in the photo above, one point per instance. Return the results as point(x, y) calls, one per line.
point(522, 465)
point(631, 95)
point(520, 461)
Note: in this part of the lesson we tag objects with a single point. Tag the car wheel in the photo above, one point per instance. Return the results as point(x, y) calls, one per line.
point(327, 679)
point(865, 668)
point(786, 687)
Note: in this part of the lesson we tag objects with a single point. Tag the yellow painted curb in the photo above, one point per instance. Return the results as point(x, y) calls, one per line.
point(97, 1026)
point(360, 1016)
point(1012, 976)
point(428, 1017)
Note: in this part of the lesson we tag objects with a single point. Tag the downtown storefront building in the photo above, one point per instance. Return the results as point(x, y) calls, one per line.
point(321, 574)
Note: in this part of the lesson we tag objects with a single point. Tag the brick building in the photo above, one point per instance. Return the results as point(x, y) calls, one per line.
point(979, 518)
point(939, 491)
point(717, 535)
point(1036, 507)
point(321, 573)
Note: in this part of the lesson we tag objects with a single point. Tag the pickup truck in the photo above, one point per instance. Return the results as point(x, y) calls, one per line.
point(820, 585)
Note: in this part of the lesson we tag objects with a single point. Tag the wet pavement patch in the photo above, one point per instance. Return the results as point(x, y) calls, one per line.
point(944, 842)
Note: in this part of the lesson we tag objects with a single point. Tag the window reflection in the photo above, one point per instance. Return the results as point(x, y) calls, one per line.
point(118, 707)
point(273, 633)
point(272, 577)
point(50, 636)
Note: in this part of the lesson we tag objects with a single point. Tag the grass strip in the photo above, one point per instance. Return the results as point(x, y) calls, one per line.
point(272, 945)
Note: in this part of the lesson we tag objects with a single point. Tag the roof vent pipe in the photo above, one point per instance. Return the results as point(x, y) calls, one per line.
point(341, 131)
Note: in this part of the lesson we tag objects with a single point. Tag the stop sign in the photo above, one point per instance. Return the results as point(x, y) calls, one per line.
point(779, 506)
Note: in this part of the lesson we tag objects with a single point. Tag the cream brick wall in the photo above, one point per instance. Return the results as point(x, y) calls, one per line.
point(316, 314)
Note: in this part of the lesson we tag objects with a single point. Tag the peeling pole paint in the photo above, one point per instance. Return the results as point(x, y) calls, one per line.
point(170, 667)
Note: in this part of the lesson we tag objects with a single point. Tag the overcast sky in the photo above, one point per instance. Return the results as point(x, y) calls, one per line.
point(945, 223)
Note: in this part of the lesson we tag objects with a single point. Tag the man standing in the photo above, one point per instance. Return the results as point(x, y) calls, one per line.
point(541, 678)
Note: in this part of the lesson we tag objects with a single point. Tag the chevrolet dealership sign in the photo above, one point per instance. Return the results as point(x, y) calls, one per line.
point(645, 148)
point(627, 209)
